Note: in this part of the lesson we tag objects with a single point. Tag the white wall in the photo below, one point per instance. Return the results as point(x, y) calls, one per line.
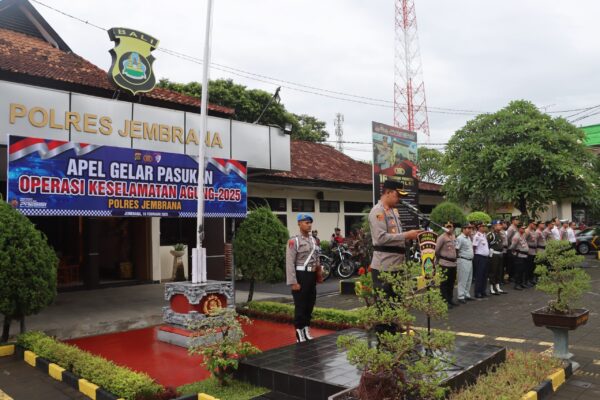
point(324, 222)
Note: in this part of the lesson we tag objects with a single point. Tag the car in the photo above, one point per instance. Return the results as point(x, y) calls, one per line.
point(588, 240)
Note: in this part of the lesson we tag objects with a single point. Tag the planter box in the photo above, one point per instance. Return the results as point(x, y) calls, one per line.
point(343, 395)
point(576, 318)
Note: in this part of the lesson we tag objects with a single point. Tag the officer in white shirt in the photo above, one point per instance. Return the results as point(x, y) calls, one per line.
point(481, 260)
point(571, 234)
point(556, 229)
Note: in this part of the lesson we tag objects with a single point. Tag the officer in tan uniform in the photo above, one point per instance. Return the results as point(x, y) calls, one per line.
point(388, 239)
point(532, 239)
point(302, 270)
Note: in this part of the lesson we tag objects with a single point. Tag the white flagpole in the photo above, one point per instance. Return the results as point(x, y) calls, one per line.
point(199, 267)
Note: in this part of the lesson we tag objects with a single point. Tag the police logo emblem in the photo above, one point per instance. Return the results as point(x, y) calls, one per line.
point(131, 67)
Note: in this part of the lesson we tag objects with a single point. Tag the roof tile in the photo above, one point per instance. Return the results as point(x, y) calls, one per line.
point(29, 55)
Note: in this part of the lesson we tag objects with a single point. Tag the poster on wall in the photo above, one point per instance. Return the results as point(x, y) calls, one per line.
point(57, 178)
point(394, 158)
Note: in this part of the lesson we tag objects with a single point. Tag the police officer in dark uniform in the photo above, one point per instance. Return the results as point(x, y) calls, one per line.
point(496, 271)
point(302, 272)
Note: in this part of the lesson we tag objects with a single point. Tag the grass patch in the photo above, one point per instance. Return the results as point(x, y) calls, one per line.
point(235, 391)
point(521, 372)
point(327, 318)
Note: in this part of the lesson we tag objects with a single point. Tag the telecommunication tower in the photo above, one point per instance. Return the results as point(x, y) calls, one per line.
point(410, 107)
point(338, 123)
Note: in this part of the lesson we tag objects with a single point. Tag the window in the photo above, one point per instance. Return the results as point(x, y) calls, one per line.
point(275, 204)
point(329, 206)
point(356, 206)
point(303, 205)
point(282, 218)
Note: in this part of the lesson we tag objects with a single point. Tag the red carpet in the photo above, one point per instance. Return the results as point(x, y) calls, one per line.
point(171, 365)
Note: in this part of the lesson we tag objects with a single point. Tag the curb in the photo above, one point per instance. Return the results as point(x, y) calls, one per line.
point(84, 386)
point(550, 385)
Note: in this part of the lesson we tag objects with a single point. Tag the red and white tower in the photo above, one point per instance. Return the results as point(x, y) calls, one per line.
point(410, 108)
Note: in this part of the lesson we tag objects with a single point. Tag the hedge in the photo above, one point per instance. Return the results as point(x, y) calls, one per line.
point(326, 318)
point(118, 380)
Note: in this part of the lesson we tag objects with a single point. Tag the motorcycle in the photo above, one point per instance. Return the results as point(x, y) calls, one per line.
point(343, 265)
point(325, 266)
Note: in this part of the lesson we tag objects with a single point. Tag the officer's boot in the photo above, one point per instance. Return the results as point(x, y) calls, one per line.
point(300, 336)
point(492, 290)
point(498, 290)
point(307, 334)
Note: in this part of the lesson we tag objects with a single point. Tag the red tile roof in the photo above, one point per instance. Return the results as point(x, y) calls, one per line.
point(323, 163)
point(20, 53)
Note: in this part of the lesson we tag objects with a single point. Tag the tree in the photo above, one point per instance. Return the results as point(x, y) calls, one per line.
point(431, 165)
point(519, 155)
point(480, 216)
point(27, 269)
point(259, 248)
point(447, 211)
point(405, 364)
point(248, 105)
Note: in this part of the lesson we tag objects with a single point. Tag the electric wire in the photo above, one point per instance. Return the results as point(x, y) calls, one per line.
point(308, 89)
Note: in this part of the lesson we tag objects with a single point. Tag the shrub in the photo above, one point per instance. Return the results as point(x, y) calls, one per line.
point(259, 248)
point(560, 276)
point(236, 391)
point(447, 211)
point(221, 356)
point(118, 380)
point(403, 364)
point(476, 216)
point(325, 246)
point(327, 318)
point(520, 373)
point(27, 268)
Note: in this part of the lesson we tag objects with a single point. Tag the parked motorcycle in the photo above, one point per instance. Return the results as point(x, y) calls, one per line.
point(343, 265)
point(326, 263)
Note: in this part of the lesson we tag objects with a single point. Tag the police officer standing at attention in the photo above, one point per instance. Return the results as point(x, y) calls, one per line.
point(302, 267)
point(496, 269)
point(481, 260)
point(388, 239)
point(520, 250)
point(532, 240)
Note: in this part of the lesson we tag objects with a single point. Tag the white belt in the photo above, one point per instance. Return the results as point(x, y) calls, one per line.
point(305, 268)
point(496, 252)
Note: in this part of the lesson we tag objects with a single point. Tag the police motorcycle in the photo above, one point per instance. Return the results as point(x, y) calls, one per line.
point(343, 265)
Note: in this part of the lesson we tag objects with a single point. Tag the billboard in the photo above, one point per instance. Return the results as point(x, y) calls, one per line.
point(58, 178)
point(394, 158)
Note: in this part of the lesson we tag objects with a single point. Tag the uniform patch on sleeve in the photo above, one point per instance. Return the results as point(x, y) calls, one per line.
point(291, 243)
point(380, 217)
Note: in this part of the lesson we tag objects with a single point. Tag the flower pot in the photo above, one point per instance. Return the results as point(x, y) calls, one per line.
point(571, 321)
point(177, 253)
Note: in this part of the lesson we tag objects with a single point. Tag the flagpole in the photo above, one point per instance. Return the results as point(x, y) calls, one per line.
point(199, 258)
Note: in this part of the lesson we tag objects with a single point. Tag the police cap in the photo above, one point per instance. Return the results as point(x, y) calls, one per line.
point(397, 186)
point(304, 217)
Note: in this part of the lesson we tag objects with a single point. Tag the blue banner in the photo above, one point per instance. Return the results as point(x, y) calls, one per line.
point(50, 177)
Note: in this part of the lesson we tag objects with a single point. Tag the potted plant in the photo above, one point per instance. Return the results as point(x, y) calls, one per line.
point(178, 251)
point(560, 275)
point(399, 364)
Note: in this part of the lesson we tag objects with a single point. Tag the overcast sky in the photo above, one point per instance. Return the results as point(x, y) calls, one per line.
point(476, 55)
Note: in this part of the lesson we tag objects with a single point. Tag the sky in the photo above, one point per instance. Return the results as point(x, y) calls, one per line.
point(476, 55)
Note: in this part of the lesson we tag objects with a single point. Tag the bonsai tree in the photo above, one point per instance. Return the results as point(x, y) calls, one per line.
point(27, 269)
point(560, 276)
point(259, 248)
point(479, 216)
point(221, 355)
point(405, 364)
point(447, 211)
